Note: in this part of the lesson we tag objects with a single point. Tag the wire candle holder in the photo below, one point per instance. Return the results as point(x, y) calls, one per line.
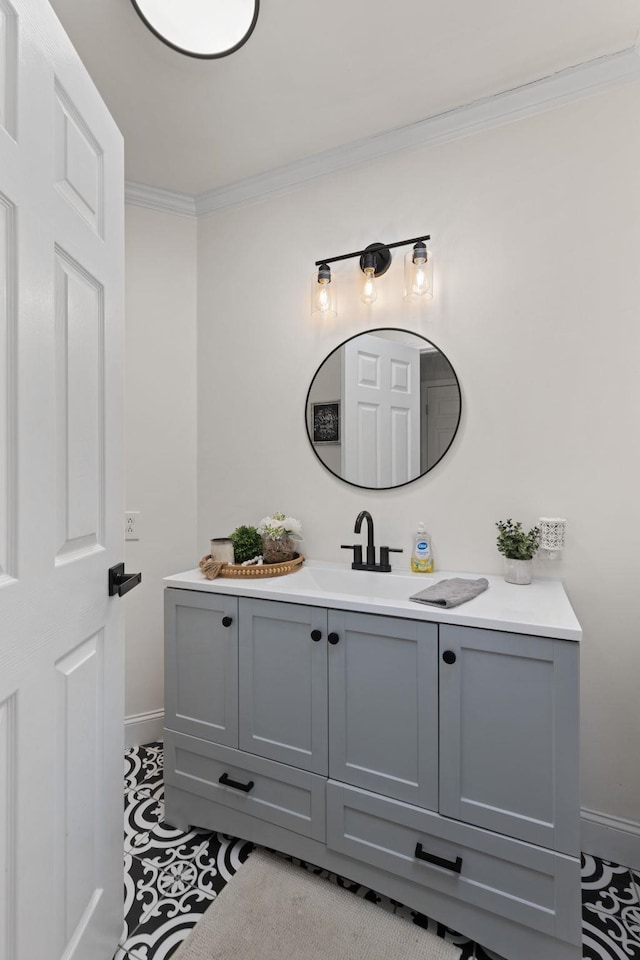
point(552, 536)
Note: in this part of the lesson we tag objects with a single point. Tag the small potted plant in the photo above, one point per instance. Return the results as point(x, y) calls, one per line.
point(247, 543)
point(518, 549)
point(278, 534)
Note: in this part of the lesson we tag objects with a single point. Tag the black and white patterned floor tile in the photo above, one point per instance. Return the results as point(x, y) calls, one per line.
point(171, 878)
point(144, 766)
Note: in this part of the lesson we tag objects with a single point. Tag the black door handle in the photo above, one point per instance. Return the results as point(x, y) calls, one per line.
point(333, 638)
point(227, 621)
point(316, 635)
point(121, 582)
point(454, 865)
point(449, 656)
point(228, 782)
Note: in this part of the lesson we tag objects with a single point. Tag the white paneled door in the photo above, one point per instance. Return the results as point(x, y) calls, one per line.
point(61, 498)
point(381, 392)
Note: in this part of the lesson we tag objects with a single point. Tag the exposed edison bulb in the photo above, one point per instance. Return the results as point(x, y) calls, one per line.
point(323, 295)
point(418, 274)
point(369, 293)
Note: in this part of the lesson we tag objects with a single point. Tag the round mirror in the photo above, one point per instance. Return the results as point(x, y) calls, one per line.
point(200, 28)
point(383, 408)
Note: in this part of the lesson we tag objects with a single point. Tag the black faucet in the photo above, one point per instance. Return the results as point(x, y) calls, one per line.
point(371, 550)
point(384, 566)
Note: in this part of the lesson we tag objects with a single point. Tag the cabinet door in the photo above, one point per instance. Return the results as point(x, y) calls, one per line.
point(509, 734)
point(383, 705)
point(201, 665)
point(283, 683)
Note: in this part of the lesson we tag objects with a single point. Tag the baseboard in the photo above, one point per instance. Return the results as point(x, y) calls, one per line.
point(611, 838)
point(143, 728)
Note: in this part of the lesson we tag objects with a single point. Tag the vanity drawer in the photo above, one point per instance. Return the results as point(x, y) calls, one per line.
point(524, 883)
point(282, 795)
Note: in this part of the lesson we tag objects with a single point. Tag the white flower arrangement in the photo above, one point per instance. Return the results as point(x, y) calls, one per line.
point(278, 526)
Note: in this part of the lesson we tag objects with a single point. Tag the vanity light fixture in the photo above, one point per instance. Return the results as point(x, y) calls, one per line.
point(375, 260)
point(418, 273)
point(323, 294)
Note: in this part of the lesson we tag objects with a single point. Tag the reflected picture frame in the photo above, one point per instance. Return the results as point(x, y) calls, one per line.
point(325, 422)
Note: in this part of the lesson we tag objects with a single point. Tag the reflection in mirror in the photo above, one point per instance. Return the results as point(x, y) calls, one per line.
point(383, 408)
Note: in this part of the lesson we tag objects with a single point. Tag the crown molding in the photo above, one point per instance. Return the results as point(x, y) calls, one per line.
point(574, 83)
point(163, 201)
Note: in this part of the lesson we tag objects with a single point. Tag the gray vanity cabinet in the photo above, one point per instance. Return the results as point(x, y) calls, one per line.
point(201, 665)
point(282, 649)
point(383, 705)
point(435, 763)
point(509, 734)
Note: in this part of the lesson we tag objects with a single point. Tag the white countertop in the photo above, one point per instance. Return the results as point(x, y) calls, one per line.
point(541, 608)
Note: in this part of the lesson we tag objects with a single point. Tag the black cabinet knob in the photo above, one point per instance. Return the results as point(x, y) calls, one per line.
point(333, 638)
point(227, 621)
point(316, 635)
point(449, 656)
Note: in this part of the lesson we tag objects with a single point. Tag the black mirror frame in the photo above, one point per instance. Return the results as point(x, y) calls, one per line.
point(190, 53)
point(398, 486)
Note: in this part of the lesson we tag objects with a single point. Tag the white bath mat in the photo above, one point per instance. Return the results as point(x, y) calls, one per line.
point(273, 910)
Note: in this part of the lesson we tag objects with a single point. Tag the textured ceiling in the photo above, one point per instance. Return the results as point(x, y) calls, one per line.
point(316, 76)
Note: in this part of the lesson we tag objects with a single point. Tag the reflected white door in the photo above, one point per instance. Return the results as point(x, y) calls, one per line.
point(443, 406)
point(61, 498)
point(381, 420)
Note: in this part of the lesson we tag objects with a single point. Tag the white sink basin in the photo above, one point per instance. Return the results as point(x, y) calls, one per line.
point(353, 583)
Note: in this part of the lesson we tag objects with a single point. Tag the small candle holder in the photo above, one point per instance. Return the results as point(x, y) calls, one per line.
point(552, 534)
point(222, 549)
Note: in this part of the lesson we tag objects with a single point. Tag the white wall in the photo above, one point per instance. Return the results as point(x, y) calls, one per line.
point(161, 421)
point(536, 239)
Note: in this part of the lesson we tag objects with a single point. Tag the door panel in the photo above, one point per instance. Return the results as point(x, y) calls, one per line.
point(8, 331)
point(201, 657)
point(283, 683)
point(383, 705)
point(9, 59)
point(518, 778)
point(78, 162)
point(77, 814)
point(61, 496)
point(80, 409)
point(8, 827)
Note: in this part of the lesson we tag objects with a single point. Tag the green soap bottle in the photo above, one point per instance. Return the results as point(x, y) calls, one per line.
point(421, 555)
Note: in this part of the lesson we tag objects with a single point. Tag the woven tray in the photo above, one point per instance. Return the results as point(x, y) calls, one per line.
point(236, 570)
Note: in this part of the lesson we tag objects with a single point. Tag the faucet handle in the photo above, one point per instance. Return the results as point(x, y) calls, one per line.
point(384, 556)
point(357, 551)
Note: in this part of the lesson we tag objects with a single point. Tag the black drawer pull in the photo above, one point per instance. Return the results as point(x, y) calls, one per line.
point(316, 635)
point(454, 865)
point(449, 656)
point(227, 621)
point(333, 638)
point(228, 782)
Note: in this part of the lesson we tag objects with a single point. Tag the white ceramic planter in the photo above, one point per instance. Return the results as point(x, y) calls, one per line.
point(518, 571)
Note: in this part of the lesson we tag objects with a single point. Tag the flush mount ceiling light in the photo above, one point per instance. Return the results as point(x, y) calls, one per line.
point(207, 29)
point(375, 260)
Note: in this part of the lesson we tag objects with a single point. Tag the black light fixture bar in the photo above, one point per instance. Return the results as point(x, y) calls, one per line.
point(360, 253)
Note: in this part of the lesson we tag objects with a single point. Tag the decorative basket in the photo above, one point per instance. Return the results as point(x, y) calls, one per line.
point(212, 570)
